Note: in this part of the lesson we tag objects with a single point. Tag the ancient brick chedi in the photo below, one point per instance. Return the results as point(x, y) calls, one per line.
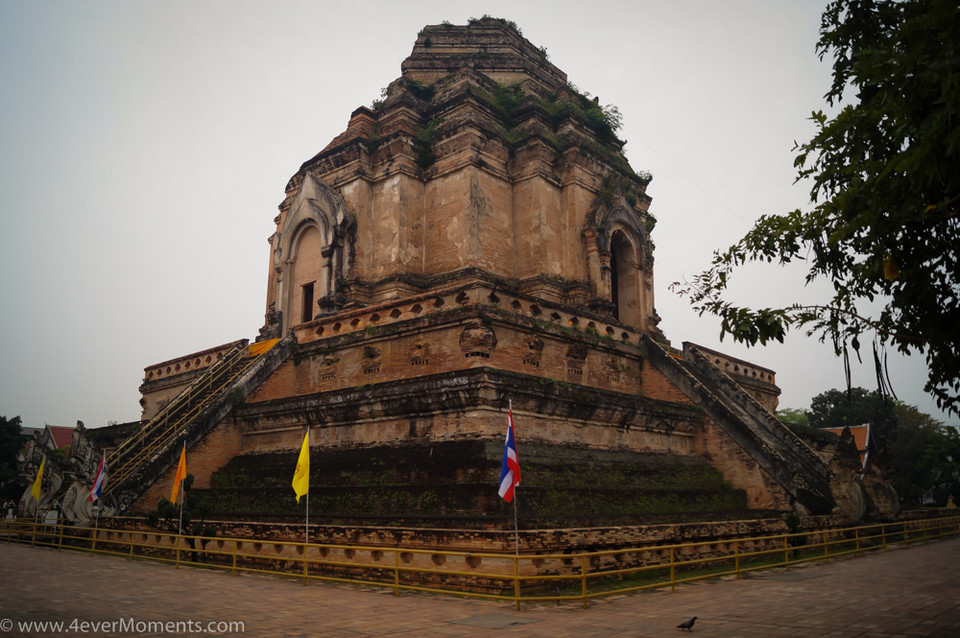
point(475, 239)
point(481, 164)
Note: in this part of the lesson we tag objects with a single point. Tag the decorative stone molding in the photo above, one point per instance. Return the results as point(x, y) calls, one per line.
point(419, 353)
point(612, 367)
point(187, 363)
point(477, 340)
point(533, 350)
point(370, 359)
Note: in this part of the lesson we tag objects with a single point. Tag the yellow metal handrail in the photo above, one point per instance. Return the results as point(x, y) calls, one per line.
point(497, 576)
point(161, 430)
point(158, 440)
point(132, 442)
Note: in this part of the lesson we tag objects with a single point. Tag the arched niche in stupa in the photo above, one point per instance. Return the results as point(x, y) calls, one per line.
point(311, 252)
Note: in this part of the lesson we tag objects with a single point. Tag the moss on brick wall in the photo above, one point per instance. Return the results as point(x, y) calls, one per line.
point(453, 484)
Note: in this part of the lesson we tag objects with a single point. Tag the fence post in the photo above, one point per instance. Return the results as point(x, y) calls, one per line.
point(856, 535)
point(93, 542)
point(178, 551)
point(883, 536)
point(583, 579)
point(786, 553)
point(130, 557)
point(233, 559)
point(60, 539)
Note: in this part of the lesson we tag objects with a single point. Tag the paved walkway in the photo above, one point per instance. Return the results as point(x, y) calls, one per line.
point(906, 592)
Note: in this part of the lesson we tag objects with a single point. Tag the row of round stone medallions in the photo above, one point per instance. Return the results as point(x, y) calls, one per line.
point(258, 547)
point(532, 310)
point(745, 370)
point(185, 367)
point(719, 549)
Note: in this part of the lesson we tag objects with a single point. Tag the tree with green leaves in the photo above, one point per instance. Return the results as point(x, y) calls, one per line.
point(917, 453)
point(884, 227)
point(856, 406)
point(168, 517)
point(11, 443)
point(794, 416)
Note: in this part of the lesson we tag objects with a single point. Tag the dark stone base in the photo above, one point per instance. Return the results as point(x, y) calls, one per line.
point(454, 485)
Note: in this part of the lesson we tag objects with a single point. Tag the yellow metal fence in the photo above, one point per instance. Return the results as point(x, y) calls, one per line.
point(527, 578)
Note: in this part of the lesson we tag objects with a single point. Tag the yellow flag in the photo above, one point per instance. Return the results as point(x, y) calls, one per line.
point(301, 478)
point(181, 474)
point(35, 490)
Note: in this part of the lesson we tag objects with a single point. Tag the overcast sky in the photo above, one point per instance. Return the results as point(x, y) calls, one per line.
point(145, 146)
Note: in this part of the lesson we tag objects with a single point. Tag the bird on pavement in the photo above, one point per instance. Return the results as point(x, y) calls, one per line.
point(687, 625)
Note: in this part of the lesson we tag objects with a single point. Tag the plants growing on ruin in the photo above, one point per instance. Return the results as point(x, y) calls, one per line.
point(169, 517)
point(604, 121)
point(507, 23)
point(423, 144)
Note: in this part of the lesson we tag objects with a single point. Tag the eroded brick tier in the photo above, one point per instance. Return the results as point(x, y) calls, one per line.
point(477, 239)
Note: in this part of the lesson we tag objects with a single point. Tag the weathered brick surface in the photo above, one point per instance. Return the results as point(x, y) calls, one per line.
point(204, 458)
point(467, 250)
point(739, 468)
point(162, 382)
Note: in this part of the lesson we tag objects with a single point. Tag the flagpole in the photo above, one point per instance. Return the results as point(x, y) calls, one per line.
point(306, 520)
point(306, 538)
point(96, 528)
point(180, 498)
point(180, 495)
point(180, 520)
point(516, 527)
point(36, 524)
point(37, 492)
point(516, 532)
point(101, 479)
point(306, 531)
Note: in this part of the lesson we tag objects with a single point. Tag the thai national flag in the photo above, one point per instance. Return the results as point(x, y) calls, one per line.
point(100, 481)
point(510, 469)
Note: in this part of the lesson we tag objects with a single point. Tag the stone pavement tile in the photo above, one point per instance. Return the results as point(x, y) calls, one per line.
point(494, 621)
point(897, 593)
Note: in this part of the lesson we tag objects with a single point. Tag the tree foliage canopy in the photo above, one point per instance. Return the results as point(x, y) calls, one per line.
point(11, 442)
point(171, 517)
point(917, 453)
point(883, 228)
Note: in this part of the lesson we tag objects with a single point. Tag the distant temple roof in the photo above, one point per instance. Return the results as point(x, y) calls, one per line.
point(861, 436)
point(62, 437)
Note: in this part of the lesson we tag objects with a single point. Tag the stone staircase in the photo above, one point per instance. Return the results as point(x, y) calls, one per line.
point(776, 449)
point(142, 458)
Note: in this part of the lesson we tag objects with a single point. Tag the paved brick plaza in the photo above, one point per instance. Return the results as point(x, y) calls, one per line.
point(903, 592)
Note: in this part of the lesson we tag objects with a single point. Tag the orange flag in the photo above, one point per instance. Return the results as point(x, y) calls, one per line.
point(181, 474)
